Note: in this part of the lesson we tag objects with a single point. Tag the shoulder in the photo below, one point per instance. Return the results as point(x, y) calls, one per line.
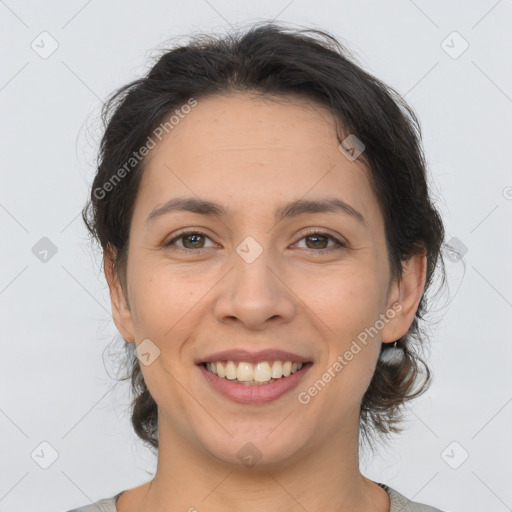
point(104, 505)
point(400, 503)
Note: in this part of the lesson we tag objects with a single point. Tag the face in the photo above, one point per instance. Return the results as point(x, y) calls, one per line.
point(248, 282)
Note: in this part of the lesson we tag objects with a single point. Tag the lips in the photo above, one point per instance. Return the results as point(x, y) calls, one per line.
point(251, 383)
point(238, 356)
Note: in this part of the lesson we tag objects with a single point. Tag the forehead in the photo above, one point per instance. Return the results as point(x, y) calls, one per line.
point(254, 153)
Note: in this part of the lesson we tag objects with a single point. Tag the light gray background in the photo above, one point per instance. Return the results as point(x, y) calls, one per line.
point(56, 320)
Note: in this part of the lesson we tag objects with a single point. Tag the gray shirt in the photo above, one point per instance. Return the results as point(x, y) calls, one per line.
point(399, 503)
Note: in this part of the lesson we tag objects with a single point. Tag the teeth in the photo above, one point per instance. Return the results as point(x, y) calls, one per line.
point(219, 367)
point(277, 369)
point(244, 372)
point(231, 370)
point(263, 371)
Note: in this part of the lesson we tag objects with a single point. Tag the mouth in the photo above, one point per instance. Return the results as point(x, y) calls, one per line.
point(253, 374)
point(253, 382)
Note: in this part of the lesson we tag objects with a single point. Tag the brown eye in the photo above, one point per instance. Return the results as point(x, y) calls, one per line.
point(193, 241)
point(190, 240)
point(319, 241)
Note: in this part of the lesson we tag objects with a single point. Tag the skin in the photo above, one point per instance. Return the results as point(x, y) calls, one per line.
point(253, 155)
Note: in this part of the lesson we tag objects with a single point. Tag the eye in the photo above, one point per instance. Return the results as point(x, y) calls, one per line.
point(319, 240)
point(191, 240)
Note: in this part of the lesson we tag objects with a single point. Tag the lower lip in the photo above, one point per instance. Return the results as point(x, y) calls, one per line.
point(254, 393)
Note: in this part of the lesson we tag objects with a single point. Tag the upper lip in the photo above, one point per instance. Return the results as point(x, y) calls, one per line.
point(239, 355)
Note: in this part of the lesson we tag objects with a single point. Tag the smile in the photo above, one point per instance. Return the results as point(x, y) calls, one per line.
point(253, 383)
point(260, 373)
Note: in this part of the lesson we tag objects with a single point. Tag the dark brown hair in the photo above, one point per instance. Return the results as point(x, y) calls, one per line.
point(281, 62)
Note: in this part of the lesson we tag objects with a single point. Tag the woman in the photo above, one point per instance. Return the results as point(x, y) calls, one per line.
point(268, 240)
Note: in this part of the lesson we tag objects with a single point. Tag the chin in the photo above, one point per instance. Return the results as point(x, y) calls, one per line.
point(251, 448)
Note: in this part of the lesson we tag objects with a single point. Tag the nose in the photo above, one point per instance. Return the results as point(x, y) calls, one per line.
point(255, 293)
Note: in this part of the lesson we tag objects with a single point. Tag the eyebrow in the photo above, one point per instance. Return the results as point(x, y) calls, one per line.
point(292, 209)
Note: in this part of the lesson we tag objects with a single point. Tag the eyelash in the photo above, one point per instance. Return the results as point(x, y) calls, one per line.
point(313, 232)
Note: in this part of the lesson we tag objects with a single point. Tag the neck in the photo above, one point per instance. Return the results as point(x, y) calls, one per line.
point(318, 478)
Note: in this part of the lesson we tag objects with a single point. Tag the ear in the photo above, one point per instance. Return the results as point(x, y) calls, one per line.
point(404, 298)
point(121, 312)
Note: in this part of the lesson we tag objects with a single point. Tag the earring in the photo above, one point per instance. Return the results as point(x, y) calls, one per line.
point(392, 355)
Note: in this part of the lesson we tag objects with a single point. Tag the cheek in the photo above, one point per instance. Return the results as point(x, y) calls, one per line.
point(167, 299)
point(345, 300)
